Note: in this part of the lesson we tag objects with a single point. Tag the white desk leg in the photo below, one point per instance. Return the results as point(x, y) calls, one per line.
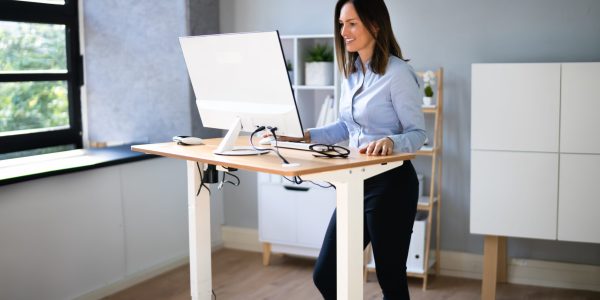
point(199, 235)
point(350, 205)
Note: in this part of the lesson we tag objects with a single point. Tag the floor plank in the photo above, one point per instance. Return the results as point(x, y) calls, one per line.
point(241, 275)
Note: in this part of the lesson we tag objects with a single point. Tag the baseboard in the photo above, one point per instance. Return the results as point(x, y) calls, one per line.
point(526, 271)
point(141, 276)
point(468, 265)
point(135, 278)
point(241, 238)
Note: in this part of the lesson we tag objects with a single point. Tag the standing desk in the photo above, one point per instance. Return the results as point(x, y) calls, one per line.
point(347, 175)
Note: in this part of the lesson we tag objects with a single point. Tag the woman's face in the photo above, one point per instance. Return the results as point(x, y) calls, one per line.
point(356, 36)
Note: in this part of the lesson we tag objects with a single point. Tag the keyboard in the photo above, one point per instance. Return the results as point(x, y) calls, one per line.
point(292, 145)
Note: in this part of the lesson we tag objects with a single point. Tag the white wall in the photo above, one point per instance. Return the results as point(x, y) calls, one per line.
point(65, 236)
point(453, 35)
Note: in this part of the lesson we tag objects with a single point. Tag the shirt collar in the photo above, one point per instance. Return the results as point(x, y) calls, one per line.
point(358, 65)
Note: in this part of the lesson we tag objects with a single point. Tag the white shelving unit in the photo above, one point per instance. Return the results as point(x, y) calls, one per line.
point(293, 218)
point(308, 97)
point(422, 259)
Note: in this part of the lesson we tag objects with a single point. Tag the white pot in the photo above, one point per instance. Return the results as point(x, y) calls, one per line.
point(318, 73)
point(427, 101)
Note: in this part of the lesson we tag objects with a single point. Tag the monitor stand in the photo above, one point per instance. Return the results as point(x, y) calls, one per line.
point(226, 147)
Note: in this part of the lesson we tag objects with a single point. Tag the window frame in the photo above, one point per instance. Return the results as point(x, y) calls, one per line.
point(68, 15)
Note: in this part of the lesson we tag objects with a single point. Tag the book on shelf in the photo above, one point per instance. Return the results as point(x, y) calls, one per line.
point(328, 113)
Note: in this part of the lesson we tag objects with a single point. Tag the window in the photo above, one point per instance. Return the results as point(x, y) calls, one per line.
point(40, 77)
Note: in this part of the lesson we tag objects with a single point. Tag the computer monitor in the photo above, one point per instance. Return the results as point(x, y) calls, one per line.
point(241, 82)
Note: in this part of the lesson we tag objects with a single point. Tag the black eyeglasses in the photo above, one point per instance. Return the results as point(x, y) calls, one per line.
point(329, 151)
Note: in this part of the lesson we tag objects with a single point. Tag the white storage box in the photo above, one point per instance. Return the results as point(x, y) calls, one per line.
point(420, 177)
point(415, 263)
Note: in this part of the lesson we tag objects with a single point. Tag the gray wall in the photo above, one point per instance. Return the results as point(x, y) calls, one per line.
point(203, 19)
point(137, 85)
point(453, 35)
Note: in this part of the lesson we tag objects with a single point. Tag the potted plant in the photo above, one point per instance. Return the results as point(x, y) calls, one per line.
point(319, 65)
point(290, 70)
point(428, 80)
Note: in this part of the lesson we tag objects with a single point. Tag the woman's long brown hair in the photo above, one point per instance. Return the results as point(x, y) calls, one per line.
point(376, 18)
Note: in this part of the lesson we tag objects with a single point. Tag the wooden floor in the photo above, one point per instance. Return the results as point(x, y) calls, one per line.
point(241, 275)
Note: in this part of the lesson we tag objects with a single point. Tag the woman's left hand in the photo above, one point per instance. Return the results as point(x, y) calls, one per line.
point(384, 146)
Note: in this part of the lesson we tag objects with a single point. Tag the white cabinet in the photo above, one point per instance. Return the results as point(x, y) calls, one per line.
point(514, 193)
point(580, 105)
point(276, 214)
point(579, 195)
point(515, 107)
point(535, 151)
point(293, 218)
point(314, 208)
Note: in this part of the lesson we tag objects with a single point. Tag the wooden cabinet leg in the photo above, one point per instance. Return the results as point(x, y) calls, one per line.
point(266, 253)
point(502, 260)
point(490, 267)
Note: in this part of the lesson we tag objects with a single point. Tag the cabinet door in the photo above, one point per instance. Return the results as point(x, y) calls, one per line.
point(515, 107)
point(514, 194)
point(579, 198)
point(315, 208)
point(580, 104)
point(276, 214)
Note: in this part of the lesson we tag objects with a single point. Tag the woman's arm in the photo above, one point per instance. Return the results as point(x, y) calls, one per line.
point(329, 134)
point(406, 99)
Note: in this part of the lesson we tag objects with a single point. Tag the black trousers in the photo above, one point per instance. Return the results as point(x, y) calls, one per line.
point(390, 208)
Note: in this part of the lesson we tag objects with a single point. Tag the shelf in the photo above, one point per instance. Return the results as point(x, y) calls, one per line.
point(426, 151)
point(423, 203)
point(429, 109)
point(308, 36)
point(314, 87)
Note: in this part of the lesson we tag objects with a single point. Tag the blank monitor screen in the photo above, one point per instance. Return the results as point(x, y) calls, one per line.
point(242, 75)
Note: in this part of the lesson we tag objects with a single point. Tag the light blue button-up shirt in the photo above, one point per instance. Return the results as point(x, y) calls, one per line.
point(374, 106)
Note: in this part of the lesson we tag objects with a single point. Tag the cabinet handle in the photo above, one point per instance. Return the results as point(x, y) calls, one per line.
point(296, 188)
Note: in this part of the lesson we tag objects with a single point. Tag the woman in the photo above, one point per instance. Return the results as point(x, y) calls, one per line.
point(380, 113)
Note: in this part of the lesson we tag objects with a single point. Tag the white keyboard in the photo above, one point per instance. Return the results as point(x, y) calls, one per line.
point(292, 145)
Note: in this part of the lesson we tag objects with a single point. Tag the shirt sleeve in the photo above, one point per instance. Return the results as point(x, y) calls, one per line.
point(406, 99)
point(329, 134)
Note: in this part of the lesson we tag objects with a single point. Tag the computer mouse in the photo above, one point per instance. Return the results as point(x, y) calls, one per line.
point(187, 140)
point(266, 140)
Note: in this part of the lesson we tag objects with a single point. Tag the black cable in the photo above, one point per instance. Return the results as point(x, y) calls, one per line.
point(258, 129)
point(299, 180)
point(276, 150)
point(331, 185)
point(223, 181)
point(213, 292)
point(273, 129)
point(202, 183)
point(232, 175)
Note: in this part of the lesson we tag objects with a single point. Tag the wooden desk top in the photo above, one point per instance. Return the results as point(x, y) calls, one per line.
point(267, 163)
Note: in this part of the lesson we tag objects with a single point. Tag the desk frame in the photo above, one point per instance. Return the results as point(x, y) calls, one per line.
point(349, 182)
